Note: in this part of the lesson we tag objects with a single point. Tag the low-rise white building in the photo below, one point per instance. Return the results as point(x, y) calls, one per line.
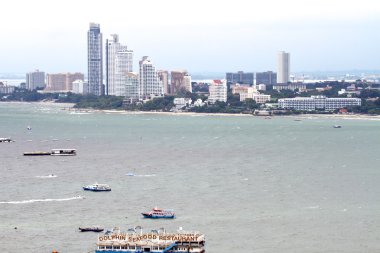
point(318, 103)
point(289, 86)
point(218, 91)
point(250, 92)
point(79, 87)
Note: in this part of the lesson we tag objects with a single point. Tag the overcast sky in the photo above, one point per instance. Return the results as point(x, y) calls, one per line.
point(197, 35)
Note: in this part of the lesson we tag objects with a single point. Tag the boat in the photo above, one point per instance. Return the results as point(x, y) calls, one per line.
point(157, 213)
point(53, 152)
point(29, 128)
point(97, 187)
point(64, 151)
point(37, 153)
point(91, 229)
point(6, 140)
point(156, 241)
point(337, 126)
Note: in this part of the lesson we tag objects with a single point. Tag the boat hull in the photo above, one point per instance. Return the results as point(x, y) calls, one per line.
point(96, 190)
point(36, 153)
point(150, 216)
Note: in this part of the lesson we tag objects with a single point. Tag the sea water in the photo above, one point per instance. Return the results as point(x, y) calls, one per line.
point(249, 184)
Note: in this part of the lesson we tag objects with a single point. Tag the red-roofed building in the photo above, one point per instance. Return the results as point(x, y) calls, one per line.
point(218, 91)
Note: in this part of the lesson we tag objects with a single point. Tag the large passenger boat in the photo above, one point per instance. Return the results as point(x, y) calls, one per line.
point(155, 241)
point(157, 213)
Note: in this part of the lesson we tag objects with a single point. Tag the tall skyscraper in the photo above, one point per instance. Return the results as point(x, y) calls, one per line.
point(95, 60)
point(283, 67)
point(150, 84)
point(35, 80)
point(119, 62)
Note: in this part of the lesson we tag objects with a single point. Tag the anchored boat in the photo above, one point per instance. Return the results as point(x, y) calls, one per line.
point(91, 229)
point(157, 213)
point(156, 241)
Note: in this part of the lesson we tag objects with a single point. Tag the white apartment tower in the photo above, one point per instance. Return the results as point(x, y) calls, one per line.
point(150, 84)
point(119, 62)
point(95, 60)
point(218, 91)
point(283, 67)
point(35, 80)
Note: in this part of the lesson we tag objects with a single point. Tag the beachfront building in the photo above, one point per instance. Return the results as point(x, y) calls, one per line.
point(150, 84)
point(95, 60)
point(119, 62)
point(35, 80)
point(318, 103)
point(218, 91)
point(132, 87)
point(62, 81)
point(80, 87)
point(6, 89)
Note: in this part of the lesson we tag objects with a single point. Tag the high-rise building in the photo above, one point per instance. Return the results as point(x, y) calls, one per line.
point(163, 75)
point(150, 84)
point(187, 83)
point(178, 81)
point(79, 87)
point(283, 67)
point(119, 62)
point(268, 78)
point(132, 87)
point(35, 80)
point(240, 77)
point(95, 60)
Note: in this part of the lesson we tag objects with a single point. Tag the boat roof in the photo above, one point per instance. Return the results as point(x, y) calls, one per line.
point(65, 149)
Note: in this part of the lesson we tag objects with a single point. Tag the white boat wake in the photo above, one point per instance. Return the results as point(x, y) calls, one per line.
point(47, 176)
point(40, 200)
point(137, 175)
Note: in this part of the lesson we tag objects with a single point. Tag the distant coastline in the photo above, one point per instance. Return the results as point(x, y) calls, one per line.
point(70, 107)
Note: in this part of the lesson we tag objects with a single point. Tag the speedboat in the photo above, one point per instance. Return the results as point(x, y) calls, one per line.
point(337, 126)
point(97, 187)
point(92, 229)
point(157, 213)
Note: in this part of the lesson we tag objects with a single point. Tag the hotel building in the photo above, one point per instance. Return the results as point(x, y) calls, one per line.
point(318, 103)
point(150, 84)
point(35, 80)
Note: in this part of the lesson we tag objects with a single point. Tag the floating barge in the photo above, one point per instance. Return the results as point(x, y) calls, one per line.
point(155, 242)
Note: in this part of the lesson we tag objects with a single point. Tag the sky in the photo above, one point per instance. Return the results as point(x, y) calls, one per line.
point(197, 35)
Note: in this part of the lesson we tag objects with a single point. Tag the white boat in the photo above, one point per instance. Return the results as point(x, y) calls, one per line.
point(64, 152)
point(337, 126)
point(97, 187)
point(6, 140)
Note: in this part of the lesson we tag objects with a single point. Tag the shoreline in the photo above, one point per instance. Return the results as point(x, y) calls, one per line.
point(70, 107)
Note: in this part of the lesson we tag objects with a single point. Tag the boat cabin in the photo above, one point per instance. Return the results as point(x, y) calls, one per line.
point(63, 151)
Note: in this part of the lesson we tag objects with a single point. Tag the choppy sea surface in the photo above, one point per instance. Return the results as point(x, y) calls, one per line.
point(249, 184)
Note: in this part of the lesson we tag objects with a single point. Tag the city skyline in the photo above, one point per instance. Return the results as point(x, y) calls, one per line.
point(201, 37)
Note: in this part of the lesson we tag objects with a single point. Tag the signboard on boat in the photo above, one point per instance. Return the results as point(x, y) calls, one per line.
point(143, 237)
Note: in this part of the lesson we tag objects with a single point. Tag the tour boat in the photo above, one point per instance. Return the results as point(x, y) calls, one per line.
point(97, 188)
point(157, 213)
point(156, 241)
